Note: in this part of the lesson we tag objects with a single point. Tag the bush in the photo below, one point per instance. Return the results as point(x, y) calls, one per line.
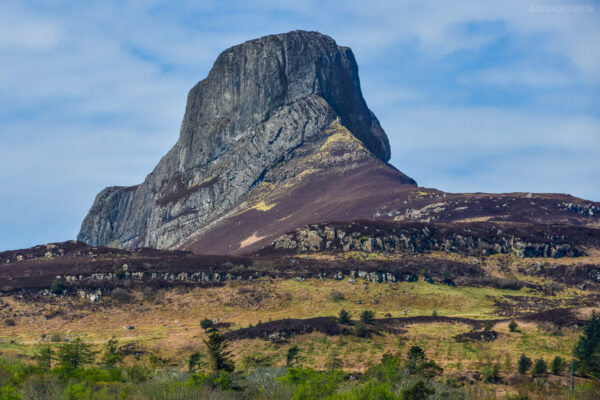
point(524, 364)
point(513, 326)
point(121, 296)
point(344, 317)
point(57, 287)
point(418, 391)
point(254, 360)
point(491, 373)
point(206, 324)
point(337, 296)
point(558, 365)
point(361, 330)
point(291, 356)
point(9, 322)
point(540, 367)
point(367, 317)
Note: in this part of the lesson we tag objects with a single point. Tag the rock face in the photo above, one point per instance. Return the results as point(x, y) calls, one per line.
point(475, 239)
point(261, 100)
point(278, 137)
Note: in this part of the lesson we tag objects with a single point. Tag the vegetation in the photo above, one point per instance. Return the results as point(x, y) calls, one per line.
point(558, 365)
point(57, 287)
point(218, 353)
point(540, 367)
point(344, 317)
point(513, 326)
point(367, 317)
point(587, 350)
point(524, 364)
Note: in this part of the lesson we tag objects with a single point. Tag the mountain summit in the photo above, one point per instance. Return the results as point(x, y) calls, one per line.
point(261, 102)
point(278, 136)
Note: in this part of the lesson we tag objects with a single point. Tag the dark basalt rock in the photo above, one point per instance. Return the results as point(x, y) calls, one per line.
point(261, 100)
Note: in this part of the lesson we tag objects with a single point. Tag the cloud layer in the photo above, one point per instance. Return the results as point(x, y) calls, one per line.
point(481, 96)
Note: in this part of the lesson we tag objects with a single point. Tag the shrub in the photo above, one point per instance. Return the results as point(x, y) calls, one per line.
point(524, 364)
point(255, 360)
point(513, 326)
point(434, 313)
point(291, 356)
point(418, 391)
point(121, 295)
point(9, 322)
point(337, 296)
point(558, 365)
point(206, 324)
point(361, 330)
point(491, 373)
point(344, 317)
point(57, 287)
point(540, 367)
point(367, 317)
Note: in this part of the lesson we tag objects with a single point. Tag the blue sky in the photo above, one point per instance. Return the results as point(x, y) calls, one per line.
point(476, 95)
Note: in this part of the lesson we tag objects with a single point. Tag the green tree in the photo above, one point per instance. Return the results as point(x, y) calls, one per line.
point(513, 326)
point(344, 317)
point(207, 324)
point(291, 356)
point(524, 364)
point(416, 355)
point(111, 357)
point(44, 357)
point(558, 365)
point(367, 317)
point(587, 350)
point(74, 355)
point(217, 352)
point(195, 361)
point(540, 367)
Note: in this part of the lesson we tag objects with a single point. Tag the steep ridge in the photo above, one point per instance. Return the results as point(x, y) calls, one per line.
point(277, 137)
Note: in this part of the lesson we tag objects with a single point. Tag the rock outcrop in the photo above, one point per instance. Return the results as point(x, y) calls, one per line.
point(261, 100)
point(474, 239)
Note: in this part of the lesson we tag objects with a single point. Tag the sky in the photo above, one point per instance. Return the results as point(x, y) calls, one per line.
point(475, 96)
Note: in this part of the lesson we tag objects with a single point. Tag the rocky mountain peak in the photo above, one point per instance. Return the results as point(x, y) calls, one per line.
point(264, 103)
point(251, 81)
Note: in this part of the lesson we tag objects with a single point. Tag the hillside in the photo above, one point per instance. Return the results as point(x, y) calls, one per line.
point(277, 212)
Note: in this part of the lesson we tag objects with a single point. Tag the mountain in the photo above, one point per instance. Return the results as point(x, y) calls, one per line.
point(278, 136)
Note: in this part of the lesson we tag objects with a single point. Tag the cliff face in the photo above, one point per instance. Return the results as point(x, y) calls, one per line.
point(262, 100)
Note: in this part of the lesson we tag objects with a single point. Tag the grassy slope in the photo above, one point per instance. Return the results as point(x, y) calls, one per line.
point(169, 322)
